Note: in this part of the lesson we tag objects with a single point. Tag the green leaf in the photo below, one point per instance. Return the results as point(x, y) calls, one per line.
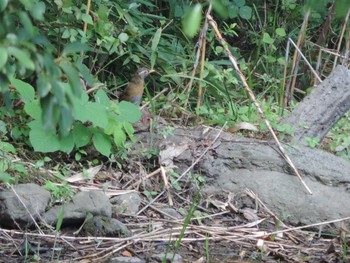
point(220, 8)
point(7, 147)
point(281, 61)
point(73, 77)
point(102, 144)
point(49, 117)
point(75, 47)
point(3, 128)
point(123, 37)
point(25, 90)
point(67, 144)
point(119, 135)
point(6, 178)
point(102, 98)
point(281, 32)
point(153, 58)
point(3, 56)
point(239, 3)
point(41, 139)
point(38, 10)
point(85, 72)
point(129, 112)
point(81, 135)
point(245, 12)
point(33, 109)
point(60, 219)
point(22, 56)
point(66, 120)
point(129, 130)
point(87, 19)
point(4, 83)
point(93, 112)
point(27, 23)
point(43, 85)
point(191, 20)
point(341, 8)
point(3, 4)
point(155, 39)
point(233, 11)
point(267, 39)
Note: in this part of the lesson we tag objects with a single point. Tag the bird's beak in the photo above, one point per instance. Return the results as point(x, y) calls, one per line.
point(150, 71)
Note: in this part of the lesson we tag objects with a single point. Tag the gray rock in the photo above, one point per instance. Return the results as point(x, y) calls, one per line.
point(126, 260)
point(12, 211)
point(171, 212)
point(169, 257)
point(127, 204)
point(235, 163)
point(102, 226)
point(94, 202)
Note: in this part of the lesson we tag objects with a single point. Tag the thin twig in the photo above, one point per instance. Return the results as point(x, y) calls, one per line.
point(305, 59)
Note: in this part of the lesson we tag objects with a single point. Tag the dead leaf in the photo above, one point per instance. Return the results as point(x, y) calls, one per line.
point(249, 214)
point(171, 151)
point(242, 126)
point(91, 172)
point(126, 253)
point(200, 260)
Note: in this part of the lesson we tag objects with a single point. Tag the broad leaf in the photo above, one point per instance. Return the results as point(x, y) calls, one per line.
point(22, 56)
point(81, 135)
point(24, 89)
point(191, 20)
point(41, 140)
point(102, 144)
point(128, 112)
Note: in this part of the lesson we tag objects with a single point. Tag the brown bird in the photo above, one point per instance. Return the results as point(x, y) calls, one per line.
point(134, 91)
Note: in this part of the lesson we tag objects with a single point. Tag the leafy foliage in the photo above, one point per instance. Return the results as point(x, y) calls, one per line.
point(61, 62)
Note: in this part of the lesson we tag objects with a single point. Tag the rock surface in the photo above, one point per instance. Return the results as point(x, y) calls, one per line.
point(126, 204)
point(102, 226)
point(235, 163)
point(12, 211)
point(126, 260)
point(94, 202)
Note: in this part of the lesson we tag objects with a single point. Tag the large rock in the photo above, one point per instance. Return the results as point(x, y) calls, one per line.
point(236, 163)
point(94, 202)
point(12, 211)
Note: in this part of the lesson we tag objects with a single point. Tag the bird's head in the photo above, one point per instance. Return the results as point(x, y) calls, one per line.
point(143, 72)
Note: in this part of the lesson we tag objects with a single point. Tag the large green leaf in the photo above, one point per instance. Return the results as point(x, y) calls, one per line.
point(93, 112)
point(41, 139)
point(81, 135)
point(75, 47)
point(66, 120)
point(25, 90)
point(220, 8)
point(102, 98)
point(33, 109)
point(246, 12)
point(3, 4)
point(3, 56)
point(192, 20)
point(6, 178)
point(119, 135)
point(102, 144)
point(73, 77)
point(22, 56)
point(128, 112)
point(67, 144)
